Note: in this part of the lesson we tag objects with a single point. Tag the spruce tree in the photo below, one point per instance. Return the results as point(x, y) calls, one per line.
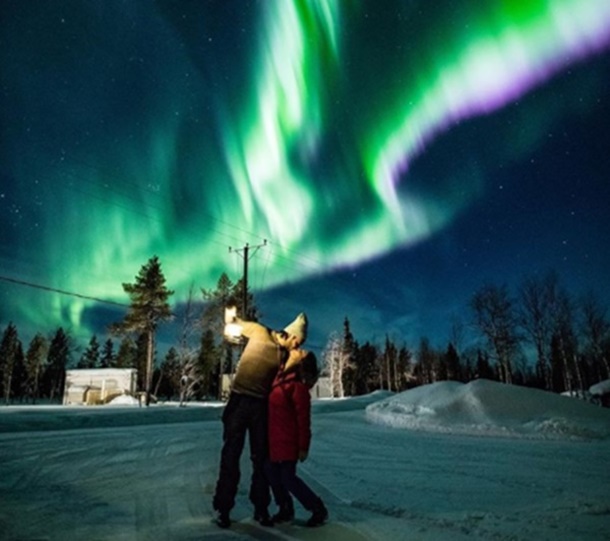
point(107, 359)
point(215, 302)
point(452, 363)
point(367, 378)
point(91, 356)
point(57, 360)
point(126, 356)
point(18, 389)
point(149, 307)
point(10, 350)
point(349, 354)
point(170, 374)
point(404, 367)
point(34, 365)
point(208, 367)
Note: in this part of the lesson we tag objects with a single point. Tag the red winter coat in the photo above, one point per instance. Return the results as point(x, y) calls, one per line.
point(289, 418)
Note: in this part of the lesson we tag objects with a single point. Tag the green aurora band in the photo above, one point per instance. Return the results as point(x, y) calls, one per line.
point(139, 134)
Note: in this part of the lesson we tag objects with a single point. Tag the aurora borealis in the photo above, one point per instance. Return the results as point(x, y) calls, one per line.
point(395, 154)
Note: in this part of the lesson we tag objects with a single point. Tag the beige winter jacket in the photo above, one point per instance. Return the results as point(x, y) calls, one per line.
point(259, 361)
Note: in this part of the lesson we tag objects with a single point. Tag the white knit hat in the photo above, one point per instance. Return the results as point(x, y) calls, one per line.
point(298, 327)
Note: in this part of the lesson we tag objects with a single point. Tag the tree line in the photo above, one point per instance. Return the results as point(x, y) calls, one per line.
point(568, 339)
point(191, 369)
point(540, 336)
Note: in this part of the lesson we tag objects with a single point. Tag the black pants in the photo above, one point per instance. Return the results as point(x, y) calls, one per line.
point(285, 481)
point(243, 414)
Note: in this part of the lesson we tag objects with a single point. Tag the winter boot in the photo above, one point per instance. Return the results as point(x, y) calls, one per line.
point(285, 514)
point(319, 514)
point(262, 517)
point(222, 519)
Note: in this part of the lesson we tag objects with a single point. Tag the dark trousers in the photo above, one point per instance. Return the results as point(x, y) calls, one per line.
point(243, 414)
point(284, 481)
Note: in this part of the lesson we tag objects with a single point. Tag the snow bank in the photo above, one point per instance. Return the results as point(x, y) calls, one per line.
point(350, 403)
point(124, 400)
point(601, 388)
point(485, 407)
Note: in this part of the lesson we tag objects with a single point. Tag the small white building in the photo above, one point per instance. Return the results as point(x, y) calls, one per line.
point(93, 386)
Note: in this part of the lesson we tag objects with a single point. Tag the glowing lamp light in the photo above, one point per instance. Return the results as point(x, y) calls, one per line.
point(233, 329)
point(233, 332)
point(230, 314)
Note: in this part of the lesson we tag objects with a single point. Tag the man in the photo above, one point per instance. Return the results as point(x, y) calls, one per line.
point(246, 411)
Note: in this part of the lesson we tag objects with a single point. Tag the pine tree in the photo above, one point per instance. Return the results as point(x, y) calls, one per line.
point(425, 369)
point(366, 378)
point(58, 358)
point(34, 365)
point(19, 389)
point(10, 353)
point(107, 359)
point(126, 356)
point(349, 347)
point(149, 307)
point(452, 363)
point(91, 356)
point(404, 368)
point(483, 367)
point(216, 300)
point(206, 372)
point(170, 374)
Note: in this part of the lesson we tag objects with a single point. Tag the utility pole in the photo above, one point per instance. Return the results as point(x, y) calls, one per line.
point(246, 254)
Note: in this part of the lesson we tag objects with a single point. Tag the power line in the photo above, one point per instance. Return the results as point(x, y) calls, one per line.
point(60, 291)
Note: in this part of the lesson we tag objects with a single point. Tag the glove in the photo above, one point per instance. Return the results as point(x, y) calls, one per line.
point(302, 456)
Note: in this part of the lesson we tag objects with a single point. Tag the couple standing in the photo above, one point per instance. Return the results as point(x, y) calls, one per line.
point(270, 402)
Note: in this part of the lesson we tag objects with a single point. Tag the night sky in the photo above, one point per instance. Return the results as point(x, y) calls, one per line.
point(396, 155)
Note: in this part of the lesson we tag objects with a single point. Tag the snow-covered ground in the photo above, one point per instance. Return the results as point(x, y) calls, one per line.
point(441, 462)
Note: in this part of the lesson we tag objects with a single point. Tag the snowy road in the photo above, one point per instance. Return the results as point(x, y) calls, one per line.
point(127, 483)
point(155, 482)
point(414, 485)
point(143, 483)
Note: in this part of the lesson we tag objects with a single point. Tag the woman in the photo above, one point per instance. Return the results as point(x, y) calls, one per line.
point(290, 437)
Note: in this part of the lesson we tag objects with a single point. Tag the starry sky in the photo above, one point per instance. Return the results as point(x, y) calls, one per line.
point(395, 155)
